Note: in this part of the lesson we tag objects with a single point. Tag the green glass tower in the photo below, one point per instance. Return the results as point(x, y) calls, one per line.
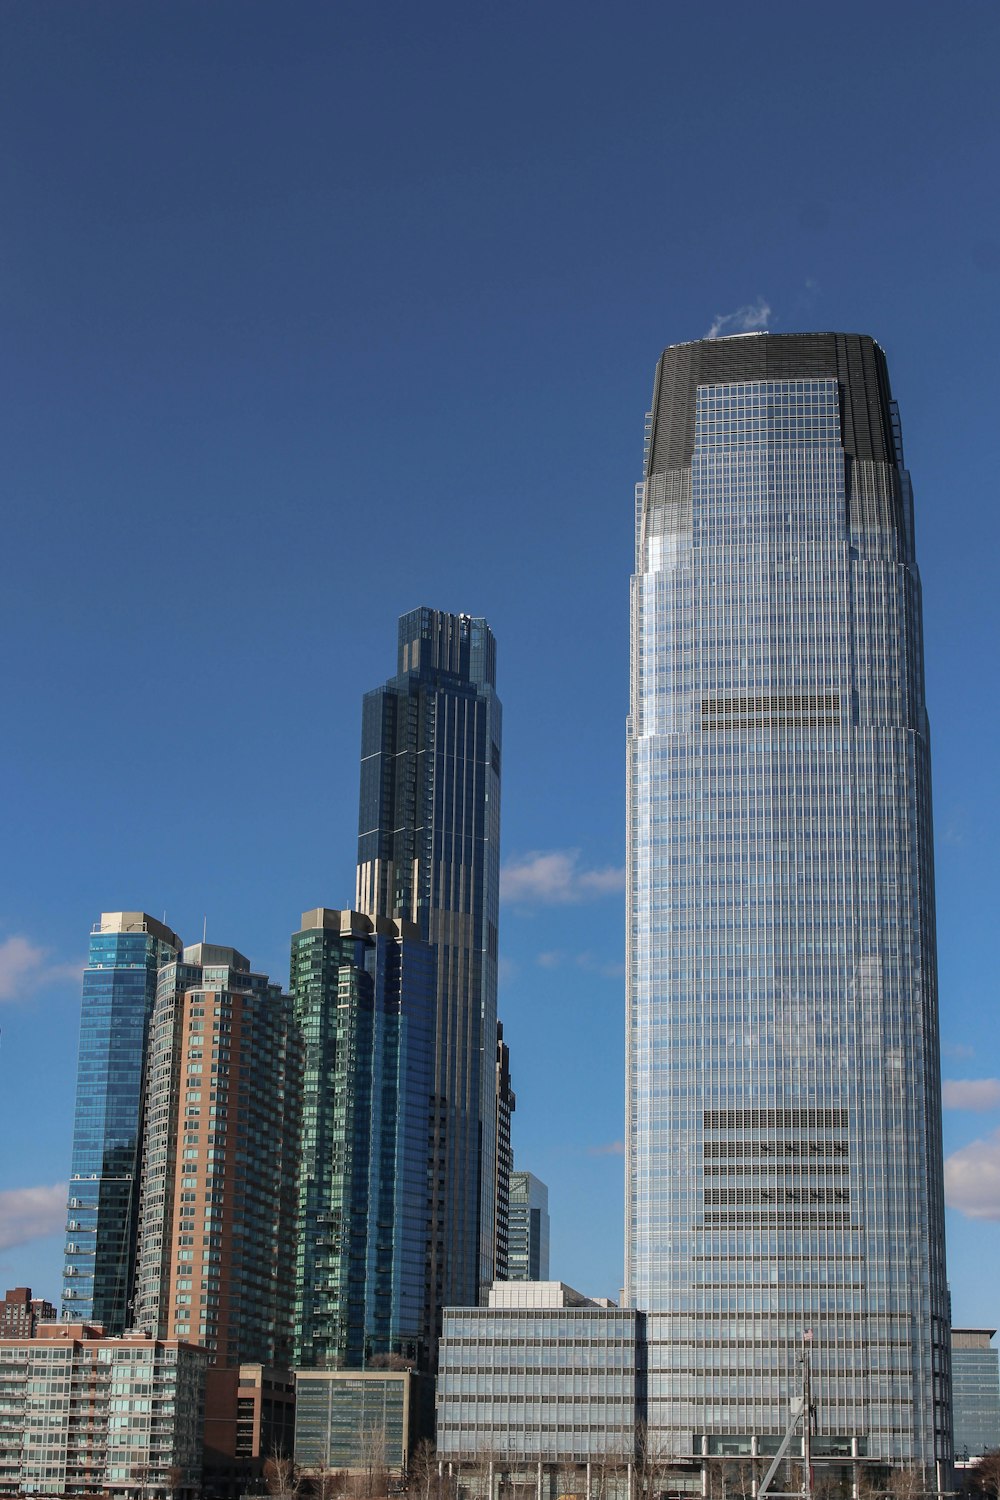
point(364, 998)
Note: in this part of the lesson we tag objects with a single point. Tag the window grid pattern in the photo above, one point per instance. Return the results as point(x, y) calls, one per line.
point(538, 1384)
point(783, 1112)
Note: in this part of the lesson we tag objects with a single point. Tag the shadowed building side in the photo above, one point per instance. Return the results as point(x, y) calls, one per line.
point(428, 853)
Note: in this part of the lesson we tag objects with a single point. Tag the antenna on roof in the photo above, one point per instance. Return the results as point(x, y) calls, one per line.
point(204, 930)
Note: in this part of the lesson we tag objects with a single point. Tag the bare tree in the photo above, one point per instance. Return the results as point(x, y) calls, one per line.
point(652, 1461)
point(728, 1479)
point(281, 1474)
point(422, 1473)
point(907, 1484)
point(175, 1479)
point(326, 1482)
point(486, 1468)
point(986, 1474)
point(602, 1470)
point(374, 1477)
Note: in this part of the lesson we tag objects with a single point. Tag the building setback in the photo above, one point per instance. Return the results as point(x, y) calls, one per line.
point(119, 987)
point(83, 1414)
point(364, 999)
point(783, 1114)
point(429, 853)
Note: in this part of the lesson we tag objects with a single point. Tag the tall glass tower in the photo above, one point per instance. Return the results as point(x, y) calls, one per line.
point(364, 998)
point(429, 853)
point(119, 988)
point(784, 1133)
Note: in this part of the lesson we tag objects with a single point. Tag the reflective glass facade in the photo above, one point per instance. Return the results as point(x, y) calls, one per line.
point(544, 1375)
point(975, 1377)
point(528, 1258)
point(364, 999)
point(429, 853)
point(356, 1421)
point(119, 987)
point(784, 1145)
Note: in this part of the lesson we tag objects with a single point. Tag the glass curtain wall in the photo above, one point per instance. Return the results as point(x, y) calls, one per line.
point(784, 1166)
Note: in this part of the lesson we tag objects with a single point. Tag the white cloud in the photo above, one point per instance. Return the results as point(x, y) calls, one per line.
point(30, 1213)
point(610, 1148)
point(957, 1049)
point(555, 877)
point(972, 1179)
point(754, 316)
point(971, 1093)
point(592, 963)
point(25, 967)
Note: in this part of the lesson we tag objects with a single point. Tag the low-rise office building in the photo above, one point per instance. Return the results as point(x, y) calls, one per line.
point(82, 1414)
point(359, 1420)
point(544, 1388)
point(975, 1393)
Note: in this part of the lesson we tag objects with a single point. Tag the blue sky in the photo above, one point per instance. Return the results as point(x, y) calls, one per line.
point(313, 313)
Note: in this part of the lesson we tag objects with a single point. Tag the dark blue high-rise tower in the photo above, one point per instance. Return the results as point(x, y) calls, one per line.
point(429, 853)
point(119, 987)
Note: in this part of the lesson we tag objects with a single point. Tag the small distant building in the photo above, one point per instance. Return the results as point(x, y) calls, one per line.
point(542, 1387)
point(528, 1233)
point(359, 1419)
point(975, 1392)
point(21, 1313)
point(83, 1414)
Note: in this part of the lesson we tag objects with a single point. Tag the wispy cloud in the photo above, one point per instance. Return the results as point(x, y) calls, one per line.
point(972, 1179)
point(26, 967)
point(609, 1148)
point(971, 1093)
point(30, 1213)
point(592, 963)
point(957, 1049)
point(557, 877)
point(754, 316)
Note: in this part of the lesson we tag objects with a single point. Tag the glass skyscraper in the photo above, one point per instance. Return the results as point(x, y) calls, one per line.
point(528, 1258)
point(429, 853)
point(119, 987)
point(364, 998)
point(784, 1143)
point(975, 1378)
